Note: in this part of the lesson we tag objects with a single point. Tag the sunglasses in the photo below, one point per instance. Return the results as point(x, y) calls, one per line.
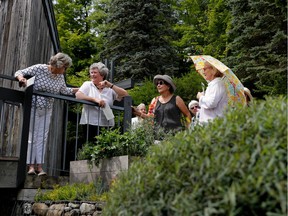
point(195, 107)
point(160, 82)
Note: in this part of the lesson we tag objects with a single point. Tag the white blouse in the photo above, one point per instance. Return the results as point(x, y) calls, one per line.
point(94, 115)
point(214, 102)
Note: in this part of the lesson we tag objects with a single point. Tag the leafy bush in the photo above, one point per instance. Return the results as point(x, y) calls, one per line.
point(111, 143)
point(74, 192)
point(234, 166)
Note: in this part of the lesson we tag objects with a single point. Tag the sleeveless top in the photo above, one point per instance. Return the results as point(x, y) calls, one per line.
point(168, 115)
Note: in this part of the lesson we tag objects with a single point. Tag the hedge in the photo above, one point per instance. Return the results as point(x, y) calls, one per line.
point(236, 165)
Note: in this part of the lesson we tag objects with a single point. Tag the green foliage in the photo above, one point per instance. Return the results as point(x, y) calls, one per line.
point(80, 25)
point(111, 143)
point(258, 44)
point(138, 39)
point(217, 26)
point(143, 93)
point(74, 192)
point(236, 165)
point(145, 38)
point(191, 25)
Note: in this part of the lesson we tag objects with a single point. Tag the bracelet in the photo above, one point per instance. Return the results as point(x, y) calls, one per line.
point(111, 86)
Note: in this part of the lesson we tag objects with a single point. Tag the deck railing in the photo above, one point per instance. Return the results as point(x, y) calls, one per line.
point(65, 134)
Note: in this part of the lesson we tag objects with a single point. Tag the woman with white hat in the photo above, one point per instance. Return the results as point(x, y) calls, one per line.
point(136, 121)
point(167, 109)
point(194, 109)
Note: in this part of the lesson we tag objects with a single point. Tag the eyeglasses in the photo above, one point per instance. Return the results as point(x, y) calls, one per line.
point(195, 107)
point(161, 82)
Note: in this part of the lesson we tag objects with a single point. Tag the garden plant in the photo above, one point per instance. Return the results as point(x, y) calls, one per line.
point(236, 165)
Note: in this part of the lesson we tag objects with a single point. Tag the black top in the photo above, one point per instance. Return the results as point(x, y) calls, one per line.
point(168, 115)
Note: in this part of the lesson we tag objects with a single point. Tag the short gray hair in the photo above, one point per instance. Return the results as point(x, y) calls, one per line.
point(141, 105)
point(103, 70)
point(60, 60)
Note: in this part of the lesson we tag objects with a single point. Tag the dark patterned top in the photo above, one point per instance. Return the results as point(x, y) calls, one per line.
point(45, 81)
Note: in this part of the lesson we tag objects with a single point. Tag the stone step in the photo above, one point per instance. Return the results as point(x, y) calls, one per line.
point(45, 183)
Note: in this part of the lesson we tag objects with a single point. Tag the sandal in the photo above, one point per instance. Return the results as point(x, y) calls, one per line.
point(42, 173)
point(31, 172)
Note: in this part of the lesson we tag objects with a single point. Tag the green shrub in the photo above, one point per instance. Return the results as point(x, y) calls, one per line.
point(111, 143)
point(74, 192)
point(234, 166)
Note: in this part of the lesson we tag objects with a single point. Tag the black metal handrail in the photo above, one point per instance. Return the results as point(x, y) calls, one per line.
point(22, 100)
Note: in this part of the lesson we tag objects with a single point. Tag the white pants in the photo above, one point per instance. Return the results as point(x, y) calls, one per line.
point(38, 132)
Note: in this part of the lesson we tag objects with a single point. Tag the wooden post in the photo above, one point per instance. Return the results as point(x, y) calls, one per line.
point(127, 113)
point(21, 173)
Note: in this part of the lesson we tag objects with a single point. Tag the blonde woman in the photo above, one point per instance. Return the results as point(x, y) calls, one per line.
point(215, 99)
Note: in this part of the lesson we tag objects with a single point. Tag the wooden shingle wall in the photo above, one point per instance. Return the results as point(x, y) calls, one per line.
point(25, 37)
point(28, 36)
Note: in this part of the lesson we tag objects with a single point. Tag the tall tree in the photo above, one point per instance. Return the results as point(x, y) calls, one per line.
point(201, 28)
point(191, 25)
point(138, 39)
point(258, 44)
point(189, 29)
point(79, 24)
point(217, 26)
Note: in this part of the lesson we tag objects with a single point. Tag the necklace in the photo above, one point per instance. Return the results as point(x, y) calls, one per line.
point(100, 89)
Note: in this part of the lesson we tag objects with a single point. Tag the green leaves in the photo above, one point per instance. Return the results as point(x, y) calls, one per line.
point(233, 166)
point(73, 192)
point(111, 143)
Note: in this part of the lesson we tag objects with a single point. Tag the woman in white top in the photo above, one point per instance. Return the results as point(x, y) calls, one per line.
point(100, 91)
point(215, 99)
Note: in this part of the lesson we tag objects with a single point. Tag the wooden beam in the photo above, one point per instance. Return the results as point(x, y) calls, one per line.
point(125, 84)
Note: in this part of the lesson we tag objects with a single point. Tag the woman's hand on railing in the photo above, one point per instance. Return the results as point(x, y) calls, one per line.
point(22, 81)
point(100, 102)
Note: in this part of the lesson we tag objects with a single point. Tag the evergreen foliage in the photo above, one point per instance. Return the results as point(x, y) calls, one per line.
point(236, 165)
point(138, 39)
point(258, 44)
point(145, 38)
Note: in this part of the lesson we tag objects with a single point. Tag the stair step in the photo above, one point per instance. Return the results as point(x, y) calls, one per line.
point(44, 182)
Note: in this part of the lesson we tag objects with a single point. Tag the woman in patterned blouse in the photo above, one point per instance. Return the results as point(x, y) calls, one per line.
point(48, 78)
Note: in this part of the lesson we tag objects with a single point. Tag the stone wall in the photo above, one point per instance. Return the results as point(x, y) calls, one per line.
point(58, 208)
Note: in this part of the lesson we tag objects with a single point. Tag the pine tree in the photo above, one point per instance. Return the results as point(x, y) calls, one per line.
point(138, 39)
point(258, 45)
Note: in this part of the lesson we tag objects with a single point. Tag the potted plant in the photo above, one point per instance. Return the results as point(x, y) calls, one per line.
point(112, 153)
